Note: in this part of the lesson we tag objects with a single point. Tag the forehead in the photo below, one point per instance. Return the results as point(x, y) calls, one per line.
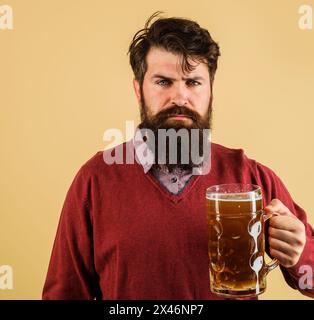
point(162, 61)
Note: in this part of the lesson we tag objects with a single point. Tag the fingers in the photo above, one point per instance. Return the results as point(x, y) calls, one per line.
point(294, 239)
point(283, 235)
point(286, 238)
point(285, 223)
point(283, 247)
point(285, 260)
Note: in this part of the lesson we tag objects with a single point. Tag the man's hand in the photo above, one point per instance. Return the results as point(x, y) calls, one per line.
point(286, 234)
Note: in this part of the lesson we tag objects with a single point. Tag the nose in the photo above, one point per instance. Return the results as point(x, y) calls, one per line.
point(179, 95)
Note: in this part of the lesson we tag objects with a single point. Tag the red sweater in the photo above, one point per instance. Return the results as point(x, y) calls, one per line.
point(121, 235)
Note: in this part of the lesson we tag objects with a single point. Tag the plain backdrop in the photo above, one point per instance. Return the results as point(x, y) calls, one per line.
point(65, 79)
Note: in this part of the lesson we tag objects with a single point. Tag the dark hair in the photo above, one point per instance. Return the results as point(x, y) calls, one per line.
point(177, 35)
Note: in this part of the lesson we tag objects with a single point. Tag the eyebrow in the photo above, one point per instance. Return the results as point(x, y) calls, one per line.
point(160, 76)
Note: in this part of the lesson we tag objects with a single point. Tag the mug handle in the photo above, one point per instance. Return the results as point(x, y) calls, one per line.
point(274, 263)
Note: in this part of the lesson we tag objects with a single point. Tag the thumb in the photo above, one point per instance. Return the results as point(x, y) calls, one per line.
point(277, 206)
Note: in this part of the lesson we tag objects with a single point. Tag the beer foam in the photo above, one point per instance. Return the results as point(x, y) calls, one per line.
point(240, 197)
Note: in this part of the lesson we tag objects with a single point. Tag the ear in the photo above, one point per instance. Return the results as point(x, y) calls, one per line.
point(137, 90)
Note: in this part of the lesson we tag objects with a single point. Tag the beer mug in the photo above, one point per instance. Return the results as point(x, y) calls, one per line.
point(236, 246)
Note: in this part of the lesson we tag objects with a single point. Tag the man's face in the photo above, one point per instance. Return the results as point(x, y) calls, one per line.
point(171, 98)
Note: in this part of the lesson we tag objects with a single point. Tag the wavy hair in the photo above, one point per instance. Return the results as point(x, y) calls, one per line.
point(177, 35)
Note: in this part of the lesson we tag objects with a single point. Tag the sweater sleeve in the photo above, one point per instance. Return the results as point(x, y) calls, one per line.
point(71, 272)
point(300, 276)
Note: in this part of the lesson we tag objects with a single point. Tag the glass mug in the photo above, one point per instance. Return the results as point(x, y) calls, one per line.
point(236, 247)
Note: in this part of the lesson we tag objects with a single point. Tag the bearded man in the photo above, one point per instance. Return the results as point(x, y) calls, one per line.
point(139, 230)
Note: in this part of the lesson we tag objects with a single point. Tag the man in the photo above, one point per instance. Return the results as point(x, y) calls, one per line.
point(138, 230)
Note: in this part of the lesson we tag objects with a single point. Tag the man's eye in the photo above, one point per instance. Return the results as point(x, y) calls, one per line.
point(163, 82)
point(193, 83)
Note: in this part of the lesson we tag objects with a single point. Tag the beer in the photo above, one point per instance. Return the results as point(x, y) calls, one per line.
point(236, 242)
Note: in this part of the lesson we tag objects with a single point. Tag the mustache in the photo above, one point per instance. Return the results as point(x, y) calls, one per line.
point(177, 110)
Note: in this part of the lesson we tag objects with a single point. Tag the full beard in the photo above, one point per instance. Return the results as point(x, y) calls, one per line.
point(190, 147)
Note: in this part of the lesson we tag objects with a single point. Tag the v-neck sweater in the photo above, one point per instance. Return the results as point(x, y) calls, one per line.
point(122, 235)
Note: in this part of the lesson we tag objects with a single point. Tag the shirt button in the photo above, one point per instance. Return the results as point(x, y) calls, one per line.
point(174, 179)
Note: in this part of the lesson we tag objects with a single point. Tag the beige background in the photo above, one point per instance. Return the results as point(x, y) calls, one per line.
point(65, 79)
